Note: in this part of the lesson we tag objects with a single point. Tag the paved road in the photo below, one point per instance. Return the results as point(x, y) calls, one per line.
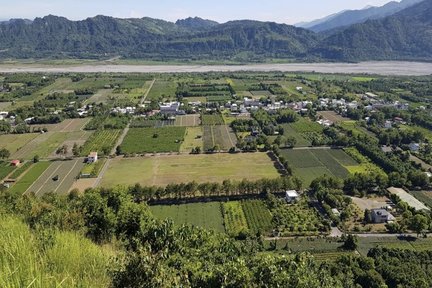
point(373, 67)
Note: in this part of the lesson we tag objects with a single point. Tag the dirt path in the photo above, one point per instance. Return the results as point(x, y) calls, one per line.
point(147, 92)
point(102, 173)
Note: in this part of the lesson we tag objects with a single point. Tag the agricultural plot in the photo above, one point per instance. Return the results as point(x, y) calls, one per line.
point(214, 92)
point(300, 140)
point(66, 172)
point(304, 125)
point(102, 141)
point(312, 163)
point(257, 215)
point(423, 196)
point(192, 139)
point(14, 142)
point(315, 246)
point(147, 123)
point(220, 136)
point(234, 218)
point(5, 169)
point(296, 220)
point(163, 170)
point(21, 170)
point(101, 96)
point(43, 145)
point(332, 116)
point(162, 90)
point(92, 170)
point(188, 120)
point(205, 215)
point(61, 85)
point(153, 140)
point(214, 119)
point(29, 177)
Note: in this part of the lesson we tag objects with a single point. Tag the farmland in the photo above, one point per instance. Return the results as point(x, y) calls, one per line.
point(313, 163)
point(102, 141)
point(162, 170)
point(300, 140)
point(162, 90)
point(234, 218)
point(5, 169)
point(213, 119)
point(257, 215)
point(29, 177)
point(219, 136)
point(188, 120)
point(153, 140)
point(14, 142)
point(192, 139)
point(67, 172)
point(205, 215)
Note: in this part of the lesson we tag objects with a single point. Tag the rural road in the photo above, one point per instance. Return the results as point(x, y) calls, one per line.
point(396, 68)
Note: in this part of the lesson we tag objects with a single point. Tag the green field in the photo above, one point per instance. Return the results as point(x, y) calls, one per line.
point(304, 125)
point(5, 169)
point(234, 218)
point(192, 139)
point(290, 132)
point(162, 90)
point(163, 170)
point(219, 136)
point(257, 215)
point(19, 171)
point(30, 177)
point(102, 141)
point(153, 140)
point(423, 196)
point(309, 164)
point(205, 215)
point(14, 142)
point(215, 119)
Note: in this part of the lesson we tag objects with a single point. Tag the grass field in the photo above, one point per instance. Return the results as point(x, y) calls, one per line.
point(423, 196)
point(21, 170)
point(162, 90)
point(153, 140)
point(5, 169)
point(304, 125)
point(192, 139)
point(30, 177)
point(205, 215)
point(215, 119)
point(43, 145)
point(67, 172)
point(300, 140)
point(162, 170)
point(14, 142)
point(313, 163)
point(221, 135)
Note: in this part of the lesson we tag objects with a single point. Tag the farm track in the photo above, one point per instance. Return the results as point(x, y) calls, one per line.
point(147, 92)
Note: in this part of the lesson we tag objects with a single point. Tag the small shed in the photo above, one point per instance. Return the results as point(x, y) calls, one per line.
point(15, 163)
point(291, 196)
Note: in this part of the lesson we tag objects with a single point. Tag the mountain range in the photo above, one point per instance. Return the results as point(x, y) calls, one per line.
point(405, 35)
point(349, 17)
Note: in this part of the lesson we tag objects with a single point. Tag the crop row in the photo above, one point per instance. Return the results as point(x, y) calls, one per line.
point(102, 141)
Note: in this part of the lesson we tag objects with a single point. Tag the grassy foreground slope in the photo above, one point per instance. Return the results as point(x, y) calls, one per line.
point(65, 260)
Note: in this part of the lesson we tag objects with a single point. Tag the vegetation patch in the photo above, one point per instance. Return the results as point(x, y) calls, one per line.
point(205, 215)
point(257, 215)
point(234, 218)
point(153, 140)
point(102, 141)
point(29, 178)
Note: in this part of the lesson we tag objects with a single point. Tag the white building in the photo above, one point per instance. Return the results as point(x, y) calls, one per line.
point(291, 196)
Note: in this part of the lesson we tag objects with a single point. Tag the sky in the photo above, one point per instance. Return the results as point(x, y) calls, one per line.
point(281, 11)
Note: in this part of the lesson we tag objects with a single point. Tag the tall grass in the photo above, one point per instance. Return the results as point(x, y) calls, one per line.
point(67, 260)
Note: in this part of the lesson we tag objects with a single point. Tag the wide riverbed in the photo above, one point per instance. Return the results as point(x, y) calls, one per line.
point(379, 68)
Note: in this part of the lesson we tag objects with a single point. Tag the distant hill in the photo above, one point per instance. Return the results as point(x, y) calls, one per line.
point(405, 35)
point(350, 17)
point(192, 38)
point(196, 23)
